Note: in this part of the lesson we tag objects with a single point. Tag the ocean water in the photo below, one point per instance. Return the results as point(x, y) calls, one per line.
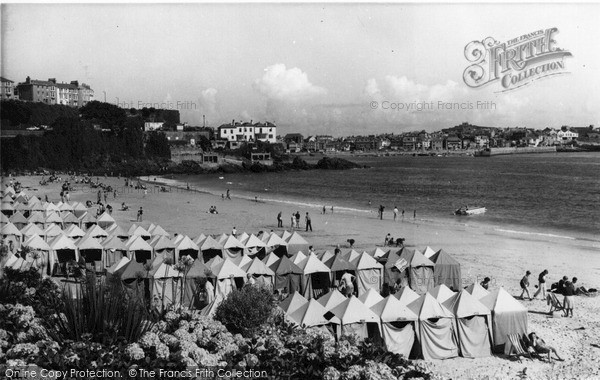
point(555, 194)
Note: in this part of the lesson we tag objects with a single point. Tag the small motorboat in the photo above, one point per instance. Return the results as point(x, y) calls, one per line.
point(470, 211)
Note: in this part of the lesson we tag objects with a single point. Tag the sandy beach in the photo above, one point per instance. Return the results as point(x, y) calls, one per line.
point(503, 256)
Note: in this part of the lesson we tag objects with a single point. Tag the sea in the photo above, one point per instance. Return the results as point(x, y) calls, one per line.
point(548, 195)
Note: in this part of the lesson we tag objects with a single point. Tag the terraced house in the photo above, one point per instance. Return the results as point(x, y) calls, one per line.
point(50, 92)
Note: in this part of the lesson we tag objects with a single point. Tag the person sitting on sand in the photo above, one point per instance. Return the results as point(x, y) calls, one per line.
point(485, 283)
point(540, 347)
point(124, 207)
point(388, 237)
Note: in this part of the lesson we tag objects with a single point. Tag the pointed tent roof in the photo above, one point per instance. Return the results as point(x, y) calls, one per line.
point(78, 206)
point(254, 241)
point(366, 261)
point(133, 270)
point(32, 229)
point(312, 264)
point(444, 258)
point(428, 252)
point(426, 307)
point(210, 243)
point(37, 206)
point(138, 231)
point(214, 261)
point(7, 198)
point(87, 217)
point(243, 237)
point(310, 314)
point(96, 231)
point(177, 238)
point(274, 240)
point(442, 293)
point(50, 207)
point(285, 234)
point(499, 300)
point(88, 242)
point(9, 190)
point(391, 258)
point(118, 265)
point(20, 206)
point(68, 217)
point(257, 267)
point(325, 256)
point(52, 230)
point(136, 243)
point(264, 236)
point(159, 231)
point(227, 269)
point(298, 257)
point(65, 207)
point(296, 238)
point(390, 309)
point(221, 238)
point(73, 231)
point(36, 242)
point(353, 311)
point(54, 218)
point(338, 263)
point(331, 299)
point(116, 230)
point(370, 298)
point(36, 217)
point(200, 270)
point(7, 206)
point(18, 217)
point(199, 239)
point(406, 295)
point(113, 242)
point(105, 219)
point(3, 219)
point(241, 261)
point(270, 259)
point(186, 243)
point(477, 291)
point(285, 266)
point(62, 241)
point(10, 229)
point(164, 271)
point(161, 242)
point(293, 302)
point(414, 258)
point(350, 255)
point(232, 242)
point(463, 305)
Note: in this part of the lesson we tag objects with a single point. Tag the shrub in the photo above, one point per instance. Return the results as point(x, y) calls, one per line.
point(245, 311)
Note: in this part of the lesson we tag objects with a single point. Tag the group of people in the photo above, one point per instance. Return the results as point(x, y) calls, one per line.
point(325, 210)
point(390, 241)
point(396, 212)
point(295, 221)
point(213, 210)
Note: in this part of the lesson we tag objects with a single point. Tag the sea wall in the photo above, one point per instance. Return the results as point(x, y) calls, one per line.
point(513, 150)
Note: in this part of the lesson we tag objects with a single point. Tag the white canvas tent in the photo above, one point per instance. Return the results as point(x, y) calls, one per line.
point(398, 325)
point(315, 279)
point(509, 316)
point(369, 273)
point(354, 318)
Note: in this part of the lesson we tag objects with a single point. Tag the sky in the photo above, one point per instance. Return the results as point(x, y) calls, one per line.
point(335, 69)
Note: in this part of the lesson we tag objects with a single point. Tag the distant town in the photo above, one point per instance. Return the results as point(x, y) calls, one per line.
point(184, 138)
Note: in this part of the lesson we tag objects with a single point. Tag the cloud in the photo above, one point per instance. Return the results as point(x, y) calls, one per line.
point(208, 101)
point(282, 84)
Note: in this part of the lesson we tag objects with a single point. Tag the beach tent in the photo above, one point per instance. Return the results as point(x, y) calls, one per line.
point(288, 275)
point(117, 267)
point(31, 200)
point(391, 273)
point(136, 230)
point(243, 237)
point(298, 257)
point(87, 220)
point(63, 250)
point(509, 316)
point(436, 332)
point(296, 243)
point(37, 218)
point(65, 206)
point(79, 209)
point(369, 273)
point(9, 191)
point(105, 220)
point(229, 276)
point(185, 246)
point(138, 249)
point(270, 259)
point(315, 279)
point(211, 248)
point(406, 295)
point(355, 317)
point(416, 270)
point(41, 253)
point(116, 230)
point(163, 247)
point(114, 250)
point(277, 245)
point(232, 247)
point(473, 323)
point(350, 255)
point(7, 208)
point(214, 261)
point(96, 232)
point(221, 238)
point(285, 234)
point(446, 270)
point(441, 293)
point(51, 231)
point(331, 299)
point(18, 220)
point(159, 231)
point(325, 256)
point(74, 232)
point(36, 207)
point(165, 285)
point(30, 230)
point(428, 252)
point(69, 219)
point(91, 250)
point(7, 198)
point(10, 232)
point(241, 261)
point(292, 303)
point(338, 266)
point(199, 239)
point(51, 208)
point(53, 218)
point(312, 314)
point(398, 325)
point(194, 281)
point(21, 197)
point(370, 298)
point(4, 219)
point(477, 290)
point(177, 238)
point(262, 273)
point(255, 247)
point(135, 278)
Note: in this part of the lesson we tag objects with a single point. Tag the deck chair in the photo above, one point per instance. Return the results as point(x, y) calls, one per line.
point(555, 304)
point(516, 347)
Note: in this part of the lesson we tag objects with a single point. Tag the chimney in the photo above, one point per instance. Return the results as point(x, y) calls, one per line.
point(250, 121)
point(75, 82)
point(28, 80)
point(52, 80)
point(232, 121)
point(204, 121)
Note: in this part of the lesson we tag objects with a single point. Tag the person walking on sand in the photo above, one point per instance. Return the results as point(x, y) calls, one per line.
point(402, 214)
point(525, 285)
point(298, 219)
point(139, 214)
point(308, 223)
point(395, 213)
point(228, 196)
point(542, 284)
point(279, 220)
point(324, 210)
point(415, 214)
point(332, 209)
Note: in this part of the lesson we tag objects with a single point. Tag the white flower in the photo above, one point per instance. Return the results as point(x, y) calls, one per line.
point(135, 352)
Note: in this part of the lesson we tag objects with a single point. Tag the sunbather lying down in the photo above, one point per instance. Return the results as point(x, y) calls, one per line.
point(540, 347)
